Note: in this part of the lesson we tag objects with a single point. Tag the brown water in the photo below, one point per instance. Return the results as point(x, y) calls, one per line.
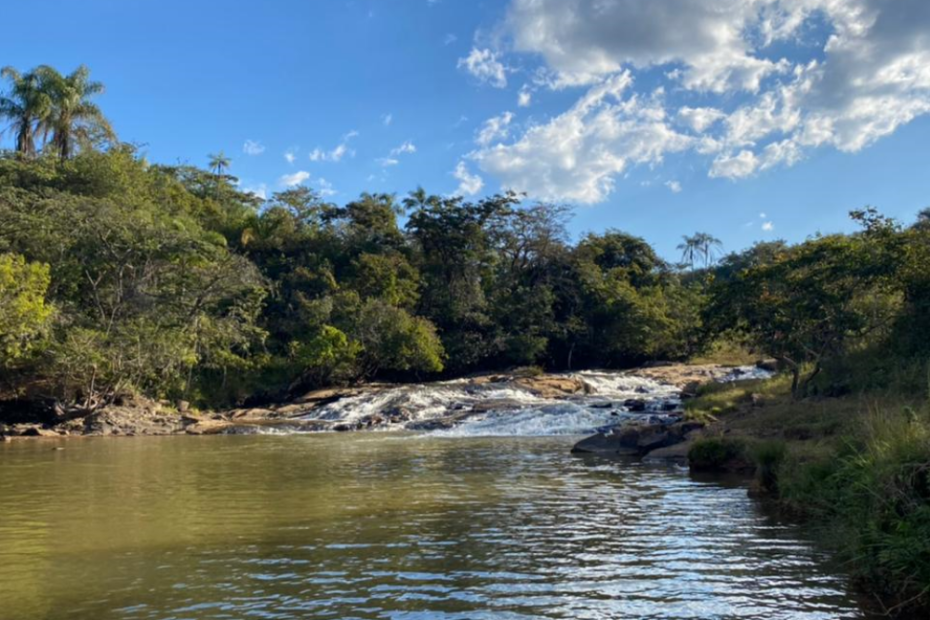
point(386, 526)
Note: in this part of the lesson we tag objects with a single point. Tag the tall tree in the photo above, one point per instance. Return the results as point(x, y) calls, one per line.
point(219, 162)
point(26, 106)
point(690, 249)
point(74, 121)
point(710, 246)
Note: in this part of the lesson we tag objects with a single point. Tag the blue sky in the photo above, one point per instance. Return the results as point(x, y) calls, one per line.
point(751, 123)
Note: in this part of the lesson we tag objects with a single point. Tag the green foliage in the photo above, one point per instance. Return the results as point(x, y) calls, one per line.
point(23, 311)
point(875, 494)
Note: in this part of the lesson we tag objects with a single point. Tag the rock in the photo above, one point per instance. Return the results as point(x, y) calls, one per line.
point(183, 406)
point(653, 440)
point(677, 453)
point(603, 444)
point(635, 405)
point(5, 438)
point(37, 431)
point(770, 365)
point(552, 386)
point(601, 406)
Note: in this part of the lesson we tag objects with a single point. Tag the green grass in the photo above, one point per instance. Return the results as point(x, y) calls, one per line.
point(726, 353)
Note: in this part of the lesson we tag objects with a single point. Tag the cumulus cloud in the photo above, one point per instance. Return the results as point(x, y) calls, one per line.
point(292, 180)
point(577, 155)
point(469, 183)
point(768, 226)
point(253, 147)
point(755, 84)
point(486, 66)
point(495, 128)
point(290, 155)
point(524, 97)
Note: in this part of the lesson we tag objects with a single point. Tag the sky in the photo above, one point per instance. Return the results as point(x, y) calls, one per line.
point(749, 119)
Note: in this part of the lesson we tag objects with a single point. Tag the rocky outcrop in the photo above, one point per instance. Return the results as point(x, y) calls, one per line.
point(552, 386)
point(637, 439)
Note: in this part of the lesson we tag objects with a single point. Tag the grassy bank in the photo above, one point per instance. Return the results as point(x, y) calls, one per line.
point(857, 467)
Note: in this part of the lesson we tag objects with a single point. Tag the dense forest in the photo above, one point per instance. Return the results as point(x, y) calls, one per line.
point(117, 274)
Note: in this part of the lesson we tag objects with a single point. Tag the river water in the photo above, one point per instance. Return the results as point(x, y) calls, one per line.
point(387, 525)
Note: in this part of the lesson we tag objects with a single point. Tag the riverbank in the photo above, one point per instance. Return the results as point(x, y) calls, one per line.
point(856, 467)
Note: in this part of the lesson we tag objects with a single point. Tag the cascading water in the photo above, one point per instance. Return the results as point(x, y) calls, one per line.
point(467, 408)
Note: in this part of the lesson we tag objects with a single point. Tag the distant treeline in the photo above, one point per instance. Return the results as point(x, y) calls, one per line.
point(121, 275)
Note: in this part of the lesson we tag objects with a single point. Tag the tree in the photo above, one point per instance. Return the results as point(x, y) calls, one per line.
point(807, 306)
point(219, 162)
point(74, 121)
point(690, 249)
point(24, 313)
point(27, 106)
point(710, 247)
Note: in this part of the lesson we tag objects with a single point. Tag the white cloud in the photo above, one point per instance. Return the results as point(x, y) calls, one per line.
point(325, 188)
point(757, 84)
point(495, 128)
point(292, 180)
point(290, 155)
point(524, 97)
point(578, 155)
point(387, 119)
point(260, 190)
point(699, 119)
point(469, 184)
point(762, 215)
point(253, 147)
point(486, 66)
point(406, 147)
point(768, 226)
point(337, 153)
point(736, 166)
point(673, 186)
point(449, 39)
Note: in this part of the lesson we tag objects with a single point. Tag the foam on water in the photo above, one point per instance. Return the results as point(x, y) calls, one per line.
point(507, 409)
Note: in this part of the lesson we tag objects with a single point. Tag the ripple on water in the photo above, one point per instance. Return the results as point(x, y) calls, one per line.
point(355, 527)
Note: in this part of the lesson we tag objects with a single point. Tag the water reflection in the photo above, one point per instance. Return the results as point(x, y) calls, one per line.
point(364, 526)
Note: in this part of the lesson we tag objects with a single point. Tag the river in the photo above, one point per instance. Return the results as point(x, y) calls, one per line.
point(388, 525)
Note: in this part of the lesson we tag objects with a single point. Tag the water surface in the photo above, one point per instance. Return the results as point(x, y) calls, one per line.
point(381, 525)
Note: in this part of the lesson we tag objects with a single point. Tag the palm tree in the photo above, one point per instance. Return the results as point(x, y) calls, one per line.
point(711, 247)
point(74, 120)
point(27, 106)
point(690, 249)
point(218, 163)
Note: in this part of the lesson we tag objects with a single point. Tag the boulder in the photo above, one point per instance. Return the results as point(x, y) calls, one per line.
point(635, 405)
point(605, 445)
